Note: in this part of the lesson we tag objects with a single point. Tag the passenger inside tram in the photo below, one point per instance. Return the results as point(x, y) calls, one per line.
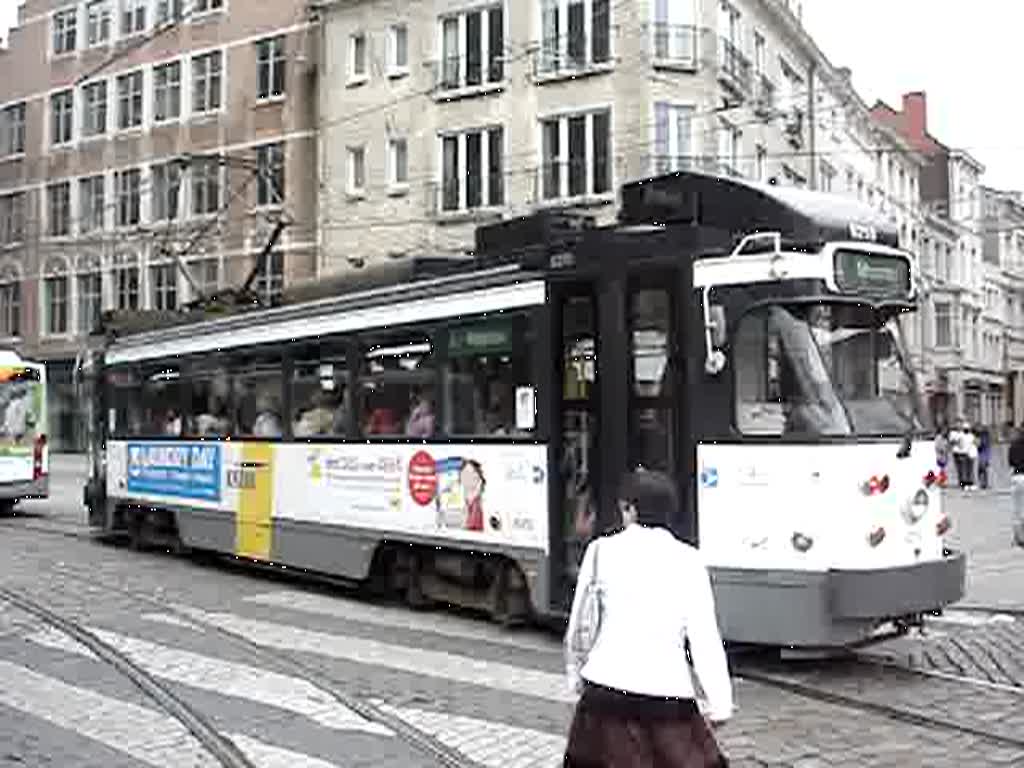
point(268, 420)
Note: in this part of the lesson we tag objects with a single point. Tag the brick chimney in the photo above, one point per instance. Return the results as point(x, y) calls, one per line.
point(915, 113)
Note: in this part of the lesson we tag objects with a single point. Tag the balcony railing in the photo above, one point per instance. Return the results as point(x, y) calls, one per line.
point(674, 44)
point(734, 68)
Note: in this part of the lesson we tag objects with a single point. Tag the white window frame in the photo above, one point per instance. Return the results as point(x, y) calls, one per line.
point(277, 60)
point(458, 82)
point(205, 164)
point(123, 194)
point(729, 151)
point(674, 37)
point(264, 156)
point(98, 20)
point(50, 276)
point(204, 60)
point(135, 11)
point(395, 67)
point(159, 183)
point(168, 12)
point(462, 173)
point(12, 131)
point(87, 215)
point(355, 77)
point(12, 218)
point(352, 188)
point(760, 162)
point(555, 63)
point(90, 127)
point(563, 157)
point(163, 87)
point(204, 8)
point(163, 282)
point(62, 30)
point(47, 200)
point(82, 277)
point(269, 283)
point(673, 159)
point(136, 98)
point(55, 140)
point(396, 184)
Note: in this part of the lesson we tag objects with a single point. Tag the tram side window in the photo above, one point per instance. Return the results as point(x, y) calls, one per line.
point(258, 387)
point(161, 401)
point(124, 390)
point(209, 401)
point(651, 414)
point(489, 372)
point(397, 386)
point(320, 397)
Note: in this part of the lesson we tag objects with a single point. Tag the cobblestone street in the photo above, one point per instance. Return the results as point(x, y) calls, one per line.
point(412, 687)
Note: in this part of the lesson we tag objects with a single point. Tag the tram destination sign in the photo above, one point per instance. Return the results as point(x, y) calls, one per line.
point(874, 274)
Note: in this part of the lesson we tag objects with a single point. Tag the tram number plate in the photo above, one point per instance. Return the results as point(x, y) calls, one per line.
point(241, 478)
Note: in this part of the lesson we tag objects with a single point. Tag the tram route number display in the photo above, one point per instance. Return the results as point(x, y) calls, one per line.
point(481, 492)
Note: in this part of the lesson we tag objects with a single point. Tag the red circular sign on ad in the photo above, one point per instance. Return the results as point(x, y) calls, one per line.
point(422, 478)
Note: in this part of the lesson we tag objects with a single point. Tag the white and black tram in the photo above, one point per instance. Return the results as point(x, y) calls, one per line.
point(454, 429)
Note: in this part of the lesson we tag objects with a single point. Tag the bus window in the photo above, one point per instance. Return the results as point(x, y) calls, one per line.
point(489, 363)
point(258, 384)
point(397, 386)
point(161, 401)
point(208, 403)
point(319, 398)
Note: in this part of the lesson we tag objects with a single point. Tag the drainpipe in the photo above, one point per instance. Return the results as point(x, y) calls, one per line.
point(812, 128)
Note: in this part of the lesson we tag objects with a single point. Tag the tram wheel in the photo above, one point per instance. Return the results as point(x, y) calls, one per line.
point(6, 507)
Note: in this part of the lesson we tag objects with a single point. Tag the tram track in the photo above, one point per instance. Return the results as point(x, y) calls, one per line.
point(309, 673)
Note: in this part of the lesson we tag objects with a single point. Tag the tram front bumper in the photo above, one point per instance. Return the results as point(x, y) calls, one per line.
point(890, 593)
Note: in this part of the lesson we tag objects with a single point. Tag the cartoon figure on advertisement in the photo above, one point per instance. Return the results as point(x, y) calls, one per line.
point(461, 484)
point(473, 483)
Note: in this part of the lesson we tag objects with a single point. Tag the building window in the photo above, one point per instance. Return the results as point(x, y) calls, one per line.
point(61, 117)
point(473, 172)
point(206, 187)
point(270, 66)
point(55, 299)
point(12, 218)
point(728, 148)
point(92, 201)
point(270, 280)
point(126, 282)
point(65, 30)
point(576, 151)
point(473, 45)
point(58, 209)
point(357, 57)
point(356, 170)
point(828, 175)
point(12, 129)
point(759, 54)
point(673, 137)
point(165, 180)
point(206, 6)
point(129, 100)
point(575, 34)
point(398, 162)
point(760, 163)
point(94, 117)
point(943, 325)
point(164, 280)
point(97, 22)
point(167, 91)
point(133, 17)
point(10, 303)
point(206, 82)
point(168, 11)
point(398, 49)
point(206, 275)
point(127, 186)
point(675, 32)
point(270, 182)
point(90, 300)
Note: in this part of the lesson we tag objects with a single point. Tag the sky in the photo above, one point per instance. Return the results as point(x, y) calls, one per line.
point(965, 56)
point(964, 59)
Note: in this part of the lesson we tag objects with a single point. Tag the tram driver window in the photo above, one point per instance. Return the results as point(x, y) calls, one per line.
point(124, 388)
point(397, 386)
point(161, 401)
point(782, 383)
point(488, 369)
point(319, 397)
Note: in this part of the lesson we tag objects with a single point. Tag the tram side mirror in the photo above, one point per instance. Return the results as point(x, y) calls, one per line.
point(714, 337)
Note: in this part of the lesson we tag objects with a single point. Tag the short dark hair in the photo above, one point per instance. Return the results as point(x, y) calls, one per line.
point(654, 496)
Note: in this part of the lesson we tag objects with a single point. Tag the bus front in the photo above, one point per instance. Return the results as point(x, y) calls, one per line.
point(24, 472)
point(822, 515)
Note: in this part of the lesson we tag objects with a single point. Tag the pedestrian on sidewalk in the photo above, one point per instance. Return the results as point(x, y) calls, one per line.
point(942, 449)
point(970, 455)
point(641, 596)
point(958, 446)
point(984, 457)
point(1016, 462)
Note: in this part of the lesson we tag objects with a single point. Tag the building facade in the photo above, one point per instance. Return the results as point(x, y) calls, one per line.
point(146, 148)
point(442, 115)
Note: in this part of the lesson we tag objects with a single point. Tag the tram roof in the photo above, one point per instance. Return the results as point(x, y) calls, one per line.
point(744, 207)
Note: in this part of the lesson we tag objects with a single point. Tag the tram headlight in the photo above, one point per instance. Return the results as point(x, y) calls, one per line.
point(917, 508)
point(801, 543)
point(877, 536)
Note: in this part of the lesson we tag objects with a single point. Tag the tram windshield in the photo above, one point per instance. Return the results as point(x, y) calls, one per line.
point(822, 370)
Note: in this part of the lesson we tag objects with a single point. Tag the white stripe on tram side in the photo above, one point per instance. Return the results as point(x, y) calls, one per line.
point(436, 664)
point(401, 618)
point(226, 678)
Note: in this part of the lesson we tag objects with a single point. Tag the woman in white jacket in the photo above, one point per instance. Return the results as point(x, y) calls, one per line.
point(638, 703)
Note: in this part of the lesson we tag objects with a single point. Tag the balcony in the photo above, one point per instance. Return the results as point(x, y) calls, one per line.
point(461, 76)
point(674, 46)
point(735, 71)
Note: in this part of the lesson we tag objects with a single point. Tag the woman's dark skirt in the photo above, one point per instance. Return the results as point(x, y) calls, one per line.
point(614, 729)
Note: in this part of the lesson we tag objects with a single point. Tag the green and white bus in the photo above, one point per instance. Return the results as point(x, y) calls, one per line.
point(24, 470)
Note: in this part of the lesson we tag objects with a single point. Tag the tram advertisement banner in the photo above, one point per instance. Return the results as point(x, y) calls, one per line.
point(493, 493)
point(177, 470)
